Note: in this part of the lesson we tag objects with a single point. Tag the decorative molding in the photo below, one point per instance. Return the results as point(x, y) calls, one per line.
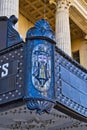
point(61, 4)
point(81, 6)
point(64, 4)
point(79, 19)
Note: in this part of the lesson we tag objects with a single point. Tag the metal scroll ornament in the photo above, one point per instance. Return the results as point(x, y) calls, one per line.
point(39, 63)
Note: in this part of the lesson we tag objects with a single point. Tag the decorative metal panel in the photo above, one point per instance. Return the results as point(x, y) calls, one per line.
point(11, 61)
point(71, 83)
point(38, 72)
point(39, 64)
point(11, 74)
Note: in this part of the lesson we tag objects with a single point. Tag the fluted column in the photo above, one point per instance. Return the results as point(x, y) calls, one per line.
point(62, 26)
point(9, 7)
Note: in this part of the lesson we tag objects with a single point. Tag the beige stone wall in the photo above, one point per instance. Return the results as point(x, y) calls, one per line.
point(23, 25)
point(81, 45)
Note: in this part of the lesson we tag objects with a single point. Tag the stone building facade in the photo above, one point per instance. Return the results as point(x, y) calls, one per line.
point(68, 19)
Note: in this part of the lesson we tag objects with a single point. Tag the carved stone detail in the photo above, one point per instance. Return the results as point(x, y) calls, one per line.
point(63, 4)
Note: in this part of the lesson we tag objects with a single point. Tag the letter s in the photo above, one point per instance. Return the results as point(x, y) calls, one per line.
point(5, 70)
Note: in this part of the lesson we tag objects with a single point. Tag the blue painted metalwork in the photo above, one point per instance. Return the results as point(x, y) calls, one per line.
point(48, 76)
point(8, 34)
point(11, 74)
point(71, 85)
point(11, 61)
point(39, 64)
point(13, 37)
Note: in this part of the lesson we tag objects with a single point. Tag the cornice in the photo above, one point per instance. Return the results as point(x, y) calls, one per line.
point(81, 6)
point(78, 19)
point(78, 13)
point(83, 3)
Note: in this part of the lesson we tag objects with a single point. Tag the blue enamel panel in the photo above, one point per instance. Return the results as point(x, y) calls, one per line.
point(39, 64)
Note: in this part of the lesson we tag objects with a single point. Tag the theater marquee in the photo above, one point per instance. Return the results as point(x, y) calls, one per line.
point(11, 61)
point(39, 73)
point(11, 74)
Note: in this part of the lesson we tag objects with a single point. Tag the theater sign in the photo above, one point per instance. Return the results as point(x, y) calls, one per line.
point(39, 74)
point(11, 61)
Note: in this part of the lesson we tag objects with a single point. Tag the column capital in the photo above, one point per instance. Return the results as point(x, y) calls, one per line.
point(62, 4)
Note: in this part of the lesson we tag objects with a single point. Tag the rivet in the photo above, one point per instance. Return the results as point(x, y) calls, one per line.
point(19, 93)
point(1, 60)
point(20, 86)
point(13, 95)
point(10, 93)
point(17, 83)
point(0, 99)
point(21, 56)
point(15, 52)
point(6, 97)
point(16, 91)
point(12, 56)
point(17, 75)
point(21, 63)
point(18, 54)
point(20, 70)
point(3, 95)
point(20, 78)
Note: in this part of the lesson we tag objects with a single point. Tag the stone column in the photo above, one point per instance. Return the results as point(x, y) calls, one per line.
point(62, 26)
point(9, 7)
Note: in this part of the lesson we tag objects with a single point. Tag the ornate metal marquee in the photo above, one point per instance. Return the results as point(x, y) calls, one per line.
point(38, 73)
